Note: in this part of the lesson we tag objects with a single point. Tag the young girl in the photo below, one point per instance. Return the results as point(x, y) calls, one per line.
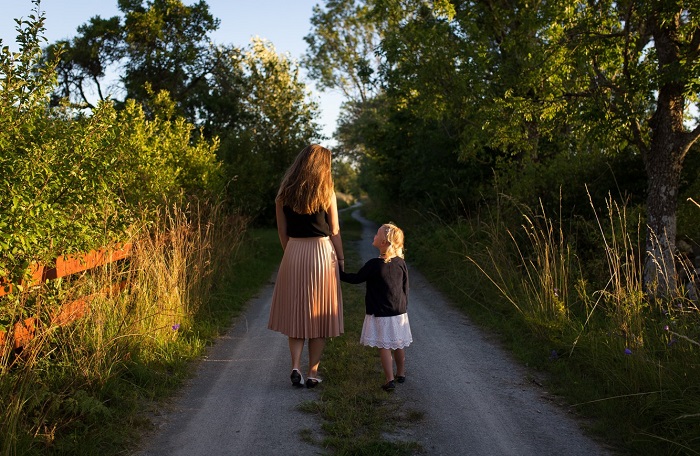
point(386, 301)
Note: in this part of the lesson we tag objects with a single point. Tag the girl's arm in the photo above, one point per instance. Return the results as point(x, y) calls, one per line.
point(334, 224)
point(361, 276)
point(281, 224)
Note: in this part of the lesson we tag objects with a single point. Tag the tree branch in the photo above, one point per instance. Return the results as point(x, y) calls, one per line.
point(691, 136)
point(694, 46)
point(82, 94)
point(637, 138)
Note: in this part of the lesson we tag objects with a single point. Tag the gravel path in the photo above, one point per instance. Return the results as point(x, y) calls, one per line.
point(476, 400)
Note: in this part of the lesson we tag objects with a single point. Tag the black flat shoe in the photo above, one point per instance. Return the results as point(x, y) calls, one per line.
point(389, 386)
point(400, 378)
point(312, 382)
point(296, 378)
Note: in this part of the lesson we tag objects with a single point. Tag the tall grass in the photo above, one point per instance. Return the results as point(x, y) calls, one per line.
point(537, 283)
point(60, 392)
point(580, 312)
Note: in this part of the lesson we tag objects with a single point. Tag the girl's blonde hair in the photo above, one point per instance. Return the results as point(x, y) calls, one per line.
point(394, 236)
point(307, 186)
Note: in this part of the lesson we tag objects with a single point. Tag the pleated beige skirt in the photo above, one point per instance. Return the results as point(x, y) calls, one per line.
point(307, 301)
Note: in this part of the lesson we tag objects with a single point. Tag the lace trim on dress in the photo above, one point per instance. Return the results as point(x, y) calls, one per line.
point(386, 332)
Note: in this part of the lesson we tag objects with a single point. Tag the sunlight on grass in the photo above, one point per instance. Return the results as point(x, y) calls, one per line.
point(616, 351)
point(187, 277)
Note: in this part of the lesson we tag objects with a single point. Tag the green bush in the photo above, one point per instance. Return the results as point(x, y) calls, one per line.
point(72, 182)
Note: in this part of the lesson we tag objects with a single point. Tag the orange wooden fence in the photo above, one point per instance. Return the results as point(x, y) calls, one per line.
point(24, 330)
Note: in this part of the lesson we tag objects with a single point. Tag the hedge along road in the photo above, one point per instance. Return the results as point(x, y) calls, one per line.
point(476, 400)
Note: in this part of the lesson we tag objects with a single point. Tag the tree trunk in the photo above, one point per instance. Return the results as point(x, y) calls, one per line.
point(663, 162)
point(663, 166)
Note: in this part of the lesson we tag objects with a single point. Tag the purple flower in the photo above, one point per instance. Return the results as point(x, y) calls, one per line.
point(628, 351)
point(554, 355)
point(556, 292)
point(666, 328)
point(176, 326)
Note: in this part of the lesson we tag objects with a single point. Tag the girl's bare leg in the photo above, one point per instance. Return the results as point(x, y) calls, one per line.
point(316, 347)
point(400, 358)
point(387, 363)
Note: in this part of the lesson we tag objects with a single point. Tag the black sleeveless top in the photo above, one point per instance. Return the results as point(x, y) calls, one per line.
point(306, 225)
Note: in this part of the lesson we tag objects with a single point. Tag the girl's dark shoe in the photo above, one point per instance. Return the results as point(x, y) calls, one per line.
point(389, 386)
point(400, 378)
point(296, 378)
point(312, 382)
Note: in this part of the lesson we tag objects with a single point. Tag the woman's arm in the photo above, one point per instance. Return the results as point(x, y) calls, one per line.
point(281, 224)
point(334, 223)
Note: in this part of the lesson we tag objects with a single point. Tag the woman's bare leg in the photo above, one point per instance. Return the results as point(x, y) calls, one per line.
point(296, 346)
point(316, 347)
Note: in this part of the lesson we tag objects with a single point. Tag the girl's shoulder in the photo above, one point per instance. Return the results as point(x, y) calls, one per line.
point(374, 262)
point(400, 263)
point(396, 262)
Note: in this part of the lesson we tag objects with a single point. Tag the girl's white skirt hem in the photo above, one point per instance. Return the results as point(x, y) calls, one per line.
point(386, 332)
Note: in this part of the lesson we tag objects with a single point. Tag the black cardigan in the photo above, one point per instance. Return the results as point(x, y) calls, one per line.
point(387, 286)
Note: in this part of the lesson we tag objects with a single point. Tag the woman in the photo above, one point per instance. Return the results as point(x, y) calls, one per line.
point(307, 302)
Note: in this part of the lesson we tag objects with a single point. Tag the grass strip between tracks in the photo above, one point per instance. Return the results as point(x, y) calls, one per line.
point(358, 416)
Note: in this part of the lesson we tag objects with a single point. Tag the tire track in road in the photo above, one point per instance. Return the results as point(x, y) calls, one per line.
point(241, 401)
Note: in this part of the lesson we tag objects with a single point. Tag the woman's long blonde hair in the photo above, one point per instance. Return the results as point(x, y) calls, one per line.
point(307, 186)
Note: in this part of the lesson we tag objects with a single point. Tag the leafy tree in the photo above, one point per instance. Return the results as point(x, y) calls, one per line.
point(223, 111)
point(163, 43)
point(530, 82)
point(641, 62)
point(345, 178)
point(277, 120)
point(76, 183)
point(341, 53)
point(251, 99)
point(86, 59)
point(167, 46)
point(619, 72)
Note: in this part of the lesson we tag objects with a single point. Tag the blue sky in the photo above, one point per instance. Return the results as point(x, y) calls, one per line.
point(283, 22)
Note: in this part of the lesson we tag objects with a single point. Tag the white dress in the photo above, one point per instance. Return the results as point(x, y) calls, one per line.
point(386, 332)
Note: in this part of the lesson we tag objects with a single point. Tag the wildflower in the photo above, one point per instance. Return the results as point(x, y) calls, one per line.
point(554, 355)
point(628, 351)
point(176, 326)
point(666, 328)
point(556, 292)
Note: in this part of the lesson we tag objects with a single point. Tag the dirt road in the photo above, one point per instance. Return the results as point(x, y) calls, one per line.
point(476, 400)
